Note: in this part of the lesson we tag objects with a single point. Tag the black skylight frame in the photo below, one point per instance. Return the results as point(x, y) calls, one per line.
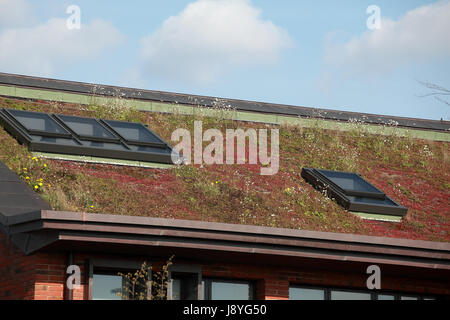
point(66, 139)
point(370, 200)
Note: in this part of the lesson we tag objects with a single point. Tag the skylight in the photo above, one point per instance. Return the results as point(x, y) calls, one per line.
point(352, 192)
point(88, 128)
point(85, 136)
point(135, 133)
point(39, 123)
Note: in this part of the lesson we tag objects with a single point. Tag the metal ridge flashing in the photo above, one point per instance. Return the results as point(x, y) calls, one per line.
point(205, 101)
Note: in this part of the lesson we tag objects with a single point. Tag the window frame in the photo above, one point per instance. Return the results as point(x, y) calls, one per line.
point(320, 182)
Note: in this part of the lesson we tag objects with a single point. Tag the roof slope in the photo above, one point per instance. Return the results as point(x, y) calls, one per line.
point(415, 173)
point(16, 197)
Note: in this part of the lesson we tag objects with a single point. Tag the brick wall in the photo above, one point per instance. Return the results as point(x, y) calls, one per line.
point(38, 276)
point(42, 276)
point(16, 272)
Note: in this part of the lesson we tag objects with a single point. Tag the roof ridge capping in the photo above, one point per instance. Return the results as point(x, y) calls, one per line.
point(208, 101)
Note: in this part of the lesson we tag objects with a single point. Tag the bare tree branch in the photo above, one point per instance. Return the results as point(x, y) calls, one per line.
point(434, 94)
point(442, 100)
point(434, 86)
point(439, 91)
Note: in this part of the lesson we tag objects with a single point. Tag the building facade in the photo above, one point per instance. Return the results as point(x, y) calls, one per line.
point(52, 254)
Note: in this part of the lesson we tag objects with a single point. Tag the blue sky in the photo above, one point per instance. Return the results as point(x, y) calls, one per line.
point(314, 54)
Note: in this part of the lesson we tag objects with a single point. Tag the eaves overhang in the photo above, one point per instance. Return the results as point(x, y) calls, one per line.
point(36, 231)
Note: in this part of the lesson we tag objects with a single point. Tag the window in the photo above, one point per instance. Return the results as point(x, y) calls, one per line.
point(184, 282)
point(107, 287)
point(408, 298)
point(184, 286)
point(386, 297)
point(297, 292)
point(349, 295)
point(39, 123)
point(214, 289)
point(86, 136)
point(135, 133)
point(88, 128)
point(111, 286)
point(353, 192)
point(108, 280)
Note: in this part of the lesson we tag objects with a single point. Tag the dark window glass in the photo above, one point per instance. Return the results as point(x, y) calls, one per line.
point(35, 121)
point(135, 132)
point(184, 286)
point(227, 290)
point(87, 127)
point(386, 297)
point(408, 298)
point(349, 295)
point(351, 183)
point(296, 293)
point(108, 287)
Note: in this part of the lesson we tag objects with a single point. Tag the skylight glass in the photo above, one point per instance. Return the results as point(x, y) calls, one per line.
point(87, 127)
point(37, 122)
point(353, 192)
point(135, 132)
point(352, 183)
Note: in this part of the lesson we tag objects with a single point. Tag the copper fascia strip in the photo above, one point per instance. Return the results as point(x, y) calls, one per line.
point(247, 239)
point(263, 251)
point(244, 229)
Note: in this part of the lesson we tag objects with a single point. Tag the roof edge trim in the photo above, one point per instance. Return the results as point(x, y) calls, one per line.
point(213, 227)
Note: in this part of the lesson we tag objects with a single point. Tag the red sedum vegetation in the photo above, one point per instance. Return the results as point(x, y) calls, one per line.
point(413, 172)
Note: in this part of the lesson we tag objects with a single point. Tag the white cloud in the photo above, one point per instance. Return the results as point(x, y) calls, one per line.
point(210, 37)
point(420, 36)
point(14, 12)
point(48, 47)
